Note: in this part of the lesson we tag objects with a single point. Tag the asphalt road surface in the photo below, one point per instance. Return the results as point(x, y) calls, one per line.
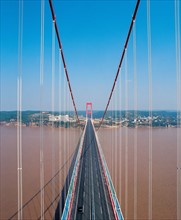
point(91, 200)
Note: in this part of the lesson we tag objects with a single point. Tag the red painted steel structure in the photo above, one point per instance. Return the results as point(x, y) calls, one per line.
point(88, 111)
point(121, 60)
point(63, 59)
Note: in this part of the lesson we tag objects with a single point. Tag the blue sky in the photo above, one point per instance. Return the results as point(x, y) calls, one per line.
point(93, 34)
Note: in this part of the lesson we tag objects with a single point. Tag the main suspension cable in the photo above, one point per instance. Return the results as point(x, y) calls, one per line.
point(121, 60)
point(63, 59)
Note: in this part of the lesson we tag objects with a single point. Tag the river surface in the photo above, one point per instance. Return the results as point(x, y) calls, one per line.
point(117, 144)
point(58, 146)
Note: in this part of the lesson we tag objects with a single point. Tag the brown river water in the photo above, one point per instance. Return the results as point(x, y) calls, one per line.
point(60, 144)
point(164, 169)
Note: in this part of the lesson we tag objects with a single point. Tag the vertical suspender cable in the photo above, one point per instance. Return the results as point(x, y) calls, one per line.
point(19, 113)
point(1, 91)
point(150, 111)
point(126, 136)
point(120, 145)
point(178, 72)
point(67, 126)
point(114, 136)
point(60, 131)
point(64, 131)
point(135, 121)
point(41, 109)
point(53, 109)
point(112, 170)
point(115, 139)
point(117, 132)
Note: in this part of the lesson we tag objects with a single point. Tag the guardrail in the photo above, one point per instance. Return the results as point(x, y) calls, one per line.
point(112, 193)
point(70, 195)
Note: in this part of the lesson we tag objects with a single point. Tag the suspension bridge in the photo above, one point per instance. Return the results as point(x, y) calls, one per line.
point(87, 190)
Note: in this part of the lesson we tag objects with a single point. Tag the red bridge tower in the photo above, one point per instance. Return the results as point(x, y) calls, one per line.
point(88, 110)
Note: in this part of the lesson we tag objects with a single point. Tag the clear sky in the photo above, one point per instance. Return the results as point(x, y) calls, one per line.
point(93, 34)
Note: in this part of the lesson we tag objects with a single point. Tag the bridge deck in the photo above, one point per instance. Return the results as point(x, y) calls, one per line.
point(91, 198)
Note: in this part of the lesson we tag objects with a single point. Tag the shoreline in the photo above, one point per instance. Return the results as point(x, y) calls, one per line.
point(11, 125)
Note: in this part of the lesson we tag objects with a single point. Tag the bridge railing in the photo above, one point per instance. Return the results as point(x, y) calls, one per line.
point(71, 190)
point(112, 192)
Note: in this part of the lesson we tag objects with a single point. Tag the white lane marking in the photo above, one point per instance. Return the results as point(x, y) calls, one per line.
point(84, 194)
point(99, 195)
point(101, 210)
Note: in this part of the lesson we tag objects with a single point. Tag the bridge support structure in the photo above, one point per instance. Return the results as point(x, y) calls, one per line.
point(88, 110)
point(71, 190)
point(113, 197)
point(96, 188)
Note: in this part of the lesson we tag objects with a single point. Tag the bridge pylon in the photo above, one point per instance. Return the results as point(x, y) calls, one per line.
point(88, 109)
